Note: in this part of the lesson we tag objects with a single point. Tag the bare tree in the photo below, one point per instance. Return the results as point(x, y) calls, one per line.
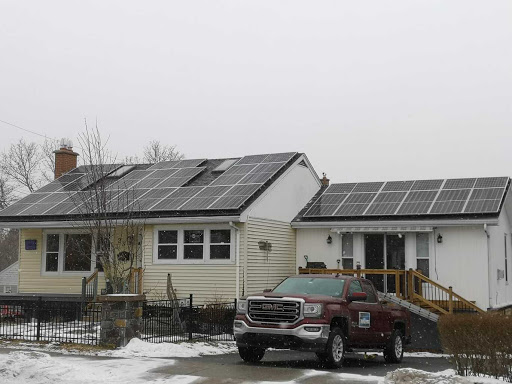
point(108, 213)
point(48, 159)
point(22, 164)
point(6, 192)
point(155, 152)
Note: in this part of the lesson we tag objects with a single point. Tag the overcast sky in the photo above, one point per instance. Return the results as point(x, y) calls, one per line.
point(369, 90)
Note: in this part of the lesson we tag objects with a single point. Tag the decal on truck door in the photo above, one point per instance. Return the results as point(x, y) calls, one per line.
point(364, 319)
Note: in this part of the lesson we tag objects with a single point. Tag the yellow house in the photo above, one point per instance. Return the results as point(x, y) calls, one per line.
point(220, 227)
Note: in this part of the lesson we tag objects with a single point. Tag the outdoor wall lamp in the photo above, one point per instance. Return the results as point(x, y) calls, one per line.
point(439, 238)
point(329, 239)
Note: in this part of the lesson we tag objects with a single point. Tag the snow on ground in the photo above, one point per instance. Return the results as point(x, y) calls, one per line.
point(139, 348)
point(31, 367)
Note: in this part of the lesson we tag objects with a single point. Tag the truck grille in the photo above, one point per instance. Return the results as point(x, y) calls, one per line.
point(274, 311)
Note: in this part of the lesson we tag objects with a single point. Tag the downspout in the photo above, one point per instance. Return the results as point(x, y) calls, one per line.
point(237, 258)
point(489, 277)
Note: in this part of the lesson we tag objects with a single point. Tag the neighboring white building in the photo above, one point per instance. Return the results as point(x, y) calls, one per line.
point(456, 231)
point(9, 279)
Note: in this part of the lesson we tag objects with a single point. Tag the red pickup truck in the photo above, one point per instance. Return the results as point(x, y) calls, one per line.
point(326, 314)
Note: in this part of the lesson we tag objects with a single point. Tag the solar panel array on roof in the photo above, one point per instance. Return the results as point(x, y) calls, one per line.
point(413, 197)
point(161, 187)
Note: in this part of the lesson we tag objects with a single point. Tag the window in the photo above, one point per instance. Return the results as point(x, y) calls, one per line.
point(423, 253)
point(52, 253)
point(195, 245)
point(220, 244)
point(168, 245)
point(347, 252)
point(355, 286)
point(368, 289)
point(506, 260)
point(67, 253)
point(77, 252)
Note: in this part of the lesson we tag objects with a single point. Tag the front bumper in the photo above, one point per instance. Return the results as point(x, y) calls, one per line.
point(282, 338)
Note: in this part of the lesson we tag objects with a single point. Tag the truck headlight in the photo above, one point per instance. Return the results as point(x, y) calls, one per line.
point(312, 310)
point(241, 307)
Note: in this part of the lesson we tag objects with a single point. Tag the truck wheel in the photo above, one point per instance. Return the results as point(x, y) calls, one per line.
point(251, 355)
point(335, 350)
point(394, 350)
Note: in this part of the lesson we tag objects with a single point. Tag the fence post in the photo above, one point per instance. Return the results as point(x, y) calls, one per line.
point(84, 285)
point(190, 322)
point(450, 300)
point(38, 314)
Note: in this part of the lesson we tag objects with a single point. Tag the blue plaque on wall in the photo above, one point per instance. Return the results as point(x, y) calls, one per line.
point(30, 245)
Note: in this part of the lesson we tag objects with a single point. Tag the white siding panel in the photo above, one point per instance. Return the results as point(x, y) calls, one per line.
point(266, 272)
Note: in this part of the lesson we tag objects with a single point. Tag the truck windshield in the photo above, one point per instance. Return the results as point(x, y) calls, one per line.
point(311, 286)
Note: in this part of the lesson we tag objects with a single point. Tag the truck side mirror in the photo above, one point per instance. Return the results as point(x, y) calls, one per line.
point(357, 296)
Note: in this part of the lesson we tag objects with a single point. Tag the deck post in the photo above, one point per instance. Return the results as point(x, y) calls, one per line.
point(397, 284)
point(410, 285)
point(450, 300)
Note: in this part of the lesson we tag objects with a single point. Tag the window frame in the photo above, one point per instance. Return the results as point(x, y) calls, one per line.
point(180, 260)
point(430, 247)
point(60, 269)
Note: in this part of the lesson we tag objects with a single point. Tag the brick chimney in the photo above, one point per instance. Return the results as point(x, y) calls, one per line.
point(65, 158)
point(325, 180)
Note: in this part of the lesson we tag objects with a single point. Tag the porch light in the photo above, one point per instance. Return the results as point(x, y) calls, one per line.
point(439, 238)
point(329, 239)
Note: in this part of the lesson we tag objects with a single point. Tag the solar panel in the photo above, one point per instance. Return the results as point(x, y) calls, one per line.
point(170, 203)
point(398, 186)
point(229, 202)
point(228, 179)
point(426, 185)
point(240, 169)
point(413, 197)
point(253, 159)
point(213, 191)
point(256, 178)
point(459, 183)
point(368, 187)
point(198, 203)
point(279, 157)
point(382, 209)
point(492, 182)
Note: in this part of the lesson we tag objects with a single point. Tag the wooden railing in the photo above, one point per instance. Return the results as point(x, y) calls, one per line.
point(424, 291)
point(136, 285)
point(411, 286)
point(90, 287)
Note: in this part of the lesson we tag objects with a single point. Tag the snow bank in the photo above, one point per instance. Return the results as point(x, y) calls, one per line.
point(416, 376)
point(25, 367)
point(139, 348)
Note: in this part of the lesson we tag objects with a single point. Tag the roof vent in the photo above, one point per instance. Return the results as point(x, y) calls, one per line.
point(225, 165)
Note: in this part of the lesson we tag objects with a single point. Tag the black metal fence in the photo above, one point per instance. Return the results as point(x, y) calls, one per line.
point(51, 321)
point(181, 320)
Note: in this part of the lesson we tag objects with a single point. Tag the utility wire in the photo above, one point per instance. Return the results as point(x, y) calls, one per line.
point(26, 130)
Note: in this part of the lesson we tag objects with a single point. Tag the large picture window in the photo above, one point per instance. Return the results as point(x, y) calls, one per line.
point(193, 246)
point(67, 253)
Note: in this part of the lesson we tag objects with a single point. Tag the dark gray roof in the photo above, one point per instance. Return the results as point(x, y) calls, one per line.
point(398, 200)
point(167, 189)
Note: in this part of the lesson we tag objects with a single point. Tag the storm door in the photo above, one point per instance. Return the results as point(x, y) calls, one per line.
point(384, 252)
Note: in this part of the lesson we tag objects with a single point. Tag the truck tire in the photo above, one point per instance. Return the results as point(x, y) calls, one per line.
point(251, 355)
point(394, 350)
point(335, 350)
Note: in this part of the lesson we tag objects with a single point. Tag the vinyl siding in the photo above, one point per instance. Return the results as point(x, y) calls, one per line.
point(207, 282)
point(263, 273)
point(30, 279)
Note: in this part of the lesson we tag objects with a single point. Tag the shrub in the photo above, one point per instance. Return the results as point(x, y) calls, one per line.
point(480, 344)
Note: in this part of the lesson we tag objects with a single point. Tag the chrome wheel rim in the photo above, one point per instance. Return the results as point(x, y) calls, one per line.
point(337, 348)
point(398, 346)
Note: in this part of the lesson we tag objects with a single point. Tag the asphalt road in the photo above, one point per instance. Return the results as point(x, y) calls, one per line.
point(285, 366)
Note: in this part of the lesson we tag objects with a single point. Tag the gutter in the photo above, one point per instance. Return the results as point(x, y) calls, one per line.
point(149, 221)
point(394, 223)
point(237, 257)
point(489, 273)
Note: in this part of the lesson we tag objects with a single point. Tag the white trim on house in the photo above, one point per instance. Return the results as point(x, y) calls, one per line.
point(394, 224)
point(180, 260)
point(60, 269)
point(150, 221)
point(394, 229)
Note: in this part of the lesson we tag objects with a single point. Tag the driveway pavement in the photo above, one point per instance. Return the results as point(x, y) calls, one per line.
point(277, 367)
